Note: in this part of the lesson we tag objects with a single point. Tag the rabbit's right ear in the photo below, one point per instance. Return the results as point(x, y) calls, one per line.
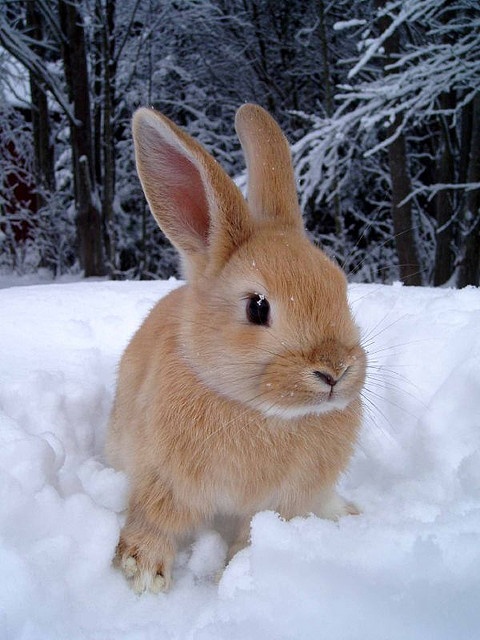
point(272, 192)
point(192, 199)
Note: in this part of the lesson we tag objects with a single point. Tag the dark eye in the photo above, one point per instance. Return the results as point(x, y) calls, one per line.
point(258, 309)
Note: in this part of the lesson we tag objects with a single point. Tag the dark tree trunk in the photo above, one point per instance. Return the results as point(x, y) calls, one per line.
point(402, 211)
point(470, 267)
point(97, 95)
point(43, 148)
point(89, 228)
point(405, 241)
point(328, 84)
point(108, 133)
point(444, 202)
point(104, 96)
point(444, 257)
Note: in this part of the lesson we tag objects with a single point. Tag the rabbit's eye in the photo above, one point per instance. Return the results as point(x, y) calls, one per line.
point(258, 309)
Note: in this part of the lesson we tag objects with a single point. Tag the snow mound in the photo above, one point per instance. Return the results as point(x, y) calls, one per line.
point(407, 568)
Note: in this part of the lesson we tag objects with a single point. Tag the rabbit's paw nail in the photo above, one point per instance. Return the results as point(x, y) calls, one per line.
point(140, 582)
point(159, 584)
point(352, 509)
point(129, 566)
point(145, 581)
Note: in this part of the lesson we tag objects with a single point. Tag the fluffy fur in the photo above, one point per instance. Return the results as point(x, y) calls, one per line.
point(214, 414)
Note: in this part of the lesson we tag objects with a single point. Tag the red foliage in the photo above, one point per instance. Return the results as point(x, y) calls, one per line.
point(18, 193)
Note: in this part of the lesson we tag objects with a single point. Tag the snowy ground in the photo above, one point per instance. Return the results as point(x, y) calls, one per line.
point(407, 569)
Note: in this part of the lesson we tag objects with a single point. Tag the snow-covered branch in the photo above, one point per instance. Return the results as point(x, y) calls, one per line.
point(18, 45)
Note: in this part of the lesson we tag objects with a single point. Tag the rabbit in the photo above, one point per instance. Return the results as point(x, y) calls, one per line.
point(241, 391)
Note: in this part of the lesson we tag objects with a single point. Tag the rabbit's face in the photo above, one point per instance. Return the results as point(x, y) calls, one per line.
point(274, 330)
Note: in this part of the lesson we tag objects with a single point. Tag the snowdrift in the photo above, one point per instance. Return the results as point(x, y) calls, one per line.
point(407, 568)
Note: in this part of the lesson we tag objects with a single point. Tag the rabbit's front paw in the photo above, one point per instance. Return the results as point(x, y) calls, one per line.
point(145, 568)
point(329, 504)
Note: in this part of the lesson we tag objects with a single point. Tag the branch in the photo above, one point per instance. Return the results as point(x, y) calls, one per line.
point(15, 43)
point(433, 189)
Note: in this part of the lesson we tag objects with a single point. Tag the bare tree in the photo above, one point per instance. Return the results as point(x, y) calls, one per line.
point(43, 147)
point(86, 196)
point(470, 268)
point(405, 238)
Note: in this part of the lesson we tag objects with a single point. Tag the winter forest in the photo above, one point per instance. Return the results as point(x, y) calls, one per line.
point(380, 100)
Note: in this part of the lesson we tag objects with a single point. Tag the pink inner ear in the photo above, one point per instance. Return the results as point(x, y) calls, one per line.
point(184, 187)
point(180, 186)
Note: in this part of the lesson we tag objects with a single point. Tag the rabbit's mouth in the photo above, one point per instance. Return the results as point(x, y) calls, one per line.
point(296, 387)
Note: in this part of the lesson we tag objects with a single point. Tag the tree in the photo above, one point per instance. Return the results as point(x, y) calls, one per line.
point(470, 267)
point(43, 147)
point(76, 73)
point(405, 240)
point(376, 97)
point(21, 37)
point(401, 108)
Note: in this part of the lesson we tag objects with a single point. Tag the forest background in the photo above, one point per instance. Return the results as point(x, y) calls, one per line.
point(380, 100)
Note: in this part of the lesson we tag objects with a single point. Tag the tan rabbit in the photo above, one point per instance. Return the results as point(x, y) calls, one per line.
point(241, 390)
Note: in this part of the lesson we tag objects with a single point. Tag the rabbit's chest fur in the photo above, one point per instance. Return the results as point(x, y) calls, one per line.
point(215, 455)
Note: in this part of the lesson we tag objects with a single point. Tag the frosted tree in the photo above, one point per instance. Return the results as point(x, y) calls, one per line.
point(34, 32)
point(379, 99)
point(407, 99)
point(269, 54)
point(70, 51)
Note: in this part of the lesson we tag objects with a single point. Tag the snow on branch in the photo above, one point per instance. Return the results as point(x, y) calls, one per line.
point(17, 44)
point(431, 190)
point(408, 94)
point(409, 11)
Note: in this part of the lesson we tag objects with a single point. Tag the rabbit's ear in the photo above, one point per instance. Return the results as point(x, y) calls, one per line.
point(272, 192)
point(193, 200)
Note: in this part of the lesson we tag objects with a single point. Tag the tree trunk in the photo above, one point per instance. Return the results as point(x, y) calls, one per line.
point(104, 65)
point(88, 219)
point(97, 91)
point(405, 241)
point(43, 148)
point(402, 212)
point(470, 267)
point(444, 257)
point(328, 85)
point(444, 202)
point(108, 134)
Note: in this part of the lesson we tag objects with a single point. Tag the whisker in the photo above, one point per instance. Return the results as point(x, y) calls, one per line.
point(373, 336)
point(389, 239)
point(373, 406)
point(367, 227)
point(386, 386)
point(398, 346)
point(391, 402)
point(390, 374)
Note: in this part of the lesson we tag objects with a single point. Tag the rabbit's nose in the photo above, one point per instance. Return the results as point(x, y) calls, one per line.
point(329, 378)
point(326, 377)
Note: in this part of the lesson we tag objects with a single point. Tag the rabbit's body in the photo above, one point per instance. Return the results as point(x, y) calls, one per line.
point(241, 390)
point(193, 438)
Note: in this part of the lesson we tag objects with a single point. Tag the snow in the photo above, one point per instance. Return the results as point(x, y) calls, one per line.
point(15, 86)
point(407, 568)
point(348, 24)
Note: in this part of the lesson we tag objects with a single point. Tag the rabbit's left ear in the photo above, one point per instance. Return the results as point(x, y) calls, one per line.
point(191, 197)
point(272, 192)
